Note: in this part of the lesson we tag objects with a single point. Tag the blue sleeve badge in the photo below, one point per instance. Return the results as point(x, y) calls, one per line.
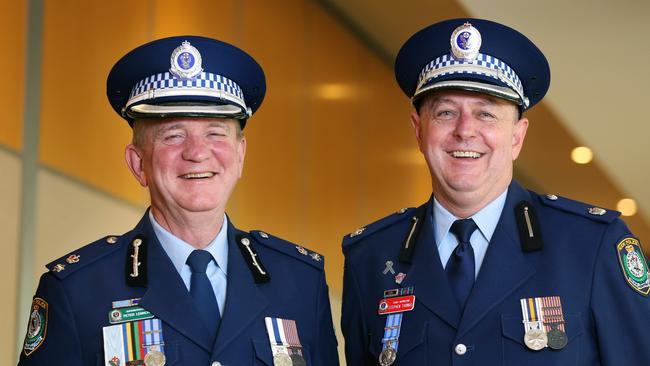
point(634, 265)
point(37, 327)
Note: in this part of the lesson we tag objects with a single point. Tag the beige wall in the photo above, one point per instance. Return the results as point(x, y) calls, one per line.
point(9, 221)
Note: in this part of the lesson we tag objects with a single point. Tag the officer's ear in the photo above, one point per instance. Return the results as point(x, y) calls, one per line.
point(518, 136)
point(134, 160)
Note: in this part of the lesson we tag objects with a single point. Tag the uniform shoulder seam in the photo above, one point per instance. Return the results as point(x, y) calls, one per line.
point(288, 248)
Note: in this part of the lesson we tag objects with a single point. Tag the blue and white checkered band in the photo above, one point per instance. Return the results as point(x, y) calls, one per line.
point(485, 65)
point(203, 85)
point(185, 61)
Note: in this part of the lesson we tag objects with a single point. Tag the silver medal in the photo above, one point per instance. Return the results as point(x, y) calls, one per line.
point(536, 339)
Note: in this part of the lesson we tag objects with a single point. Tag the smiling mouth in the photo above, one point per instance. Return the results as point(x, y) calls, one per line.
point(201, 175)
point(465, 154)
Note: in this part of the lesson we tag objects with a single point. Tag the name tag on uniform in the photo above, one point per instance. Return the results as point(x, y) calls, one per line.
point(399, 304)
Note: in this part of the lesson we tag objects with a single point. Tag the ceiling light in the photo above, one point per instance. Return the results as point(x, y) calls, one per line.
point(627, 206)
point(334, 91)
point(581, 155)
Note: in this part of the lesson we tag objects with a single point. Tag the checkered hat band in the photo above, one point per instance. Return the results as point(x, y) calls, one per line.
point(485, 65)
point(205, 84)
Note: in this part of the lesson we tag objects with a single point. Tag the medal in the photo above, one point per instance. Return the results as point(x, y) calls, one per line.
point(282, 359)
point(554, 322)
point(394, 304)
point(387, 356)
point(556, 338)
point(536, 339)
point(297, 360)
point(285, 342)
point(154, 358)
point(134, 343)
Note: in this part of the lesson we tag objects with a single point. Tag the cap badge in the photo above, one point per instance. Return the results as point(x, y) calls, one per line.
point(465, 43)
point(185, 61)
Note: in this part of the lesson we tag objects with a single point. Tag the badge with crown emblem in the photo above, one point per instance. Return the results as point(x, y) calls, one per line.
point(185, 61)
point(634, 265)
point(465, 43)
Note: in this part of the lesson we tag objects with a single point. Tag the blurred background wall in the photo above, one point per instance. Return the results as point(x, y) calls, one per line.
point(331, 148)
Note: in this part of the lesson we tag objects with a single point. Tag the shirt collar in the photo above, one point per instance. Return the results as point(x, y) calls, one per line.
point(178, 250)
point(486, 219)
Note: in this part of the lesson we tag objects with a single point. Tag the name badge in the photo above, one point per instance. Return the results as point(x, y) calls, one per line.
point(394, 305)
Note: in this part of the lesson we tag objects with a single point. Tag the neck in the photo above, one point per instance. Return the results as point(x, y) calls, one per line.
point(465, 205)
point(195, 228)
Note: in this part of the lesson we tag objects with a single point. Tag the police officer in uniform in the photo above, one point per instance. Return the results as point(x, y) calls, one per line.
point(185, 286)
point(487, 272)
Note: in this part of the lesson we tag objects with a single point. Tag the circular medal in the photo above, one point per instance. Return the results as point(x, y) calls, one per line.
point(154, 358)
point(536, 339)
point(387, 356)
point(556, 338)
point(282, 359)
point(298, 360)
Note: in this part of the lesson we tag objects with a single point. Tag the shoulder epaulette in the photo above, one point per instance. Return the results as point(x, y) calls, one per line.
point(84, 256)
point(364, 231)
point(579, 208)
point(293, 250)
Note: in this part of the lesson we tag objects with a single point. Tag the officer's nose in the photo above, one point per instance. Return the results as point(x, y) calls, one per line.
point(195, 149)
point(465, 126)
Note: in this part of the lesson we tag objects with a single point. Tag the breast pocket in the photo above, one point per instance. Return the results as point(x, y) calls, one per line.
point(411, 349)
point(515, 351)
point(264, 355)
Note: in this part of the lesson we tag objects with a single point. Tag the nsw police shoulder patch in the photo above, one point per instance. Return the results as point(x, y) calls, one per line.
point(37, 327)
point(634, 265)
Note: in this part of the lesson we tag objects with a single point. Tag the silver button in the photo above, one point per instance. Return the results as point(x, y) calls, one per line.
point(216, 363)
point(264, 235)
point(460, 349)
point(551, 197)
point(597, 211)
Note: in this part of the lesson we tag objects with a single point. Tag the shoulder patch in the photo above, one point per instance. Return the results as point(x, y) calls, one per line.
point(633, 264)
point(579, 208)
point(364, 231)
point(289, 248)
point(83, 256)
point(36, 327)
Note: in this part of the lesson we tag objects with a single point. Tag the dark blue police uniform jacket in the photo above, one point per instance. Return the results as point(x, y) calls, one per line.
point(607, 322)
point(80, 296)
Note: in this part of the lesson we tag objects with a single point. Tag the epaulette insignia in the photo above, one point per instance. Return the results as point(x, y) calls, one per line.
point(289, 248)
point(580, 208)
point(81, 257)
point(357, 232)
point(37, 327)
point(634, 265)
point(58, 267)
point(361, 232)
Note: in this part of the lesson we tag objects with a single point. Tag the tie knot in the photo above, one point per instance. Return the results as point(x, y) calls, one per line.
point(198, 260)
point(463, 229)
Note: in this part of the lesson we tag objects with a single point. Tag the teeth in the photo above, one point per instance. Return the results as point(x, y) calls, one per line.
point(197, 175)
point(465, 154)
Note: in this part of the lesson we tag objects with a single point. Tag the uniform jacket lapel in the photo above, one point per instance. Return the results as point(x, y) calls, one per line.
point(244, 300)
point(505, 267)
point(166, 295)
point(427, 276)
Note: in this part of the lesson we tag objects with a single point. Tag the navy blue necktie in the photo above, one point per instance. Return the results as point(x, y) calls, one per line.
point(201, 290)
point(460, 267)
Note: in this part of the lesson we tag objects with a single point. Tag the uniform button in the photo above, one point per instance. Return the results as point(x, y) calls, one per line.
point(460, 349)
point(216, 363)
